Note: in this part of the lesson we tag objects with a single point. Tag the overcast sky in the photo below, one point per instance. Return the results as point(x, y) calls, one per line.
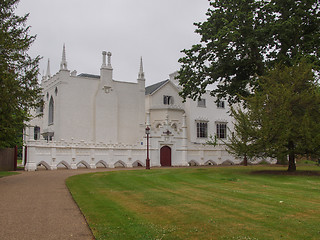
point(157, 30)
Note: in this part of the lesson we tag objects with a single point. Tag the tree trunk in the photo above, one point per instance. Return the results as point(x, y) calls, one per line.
point(292, 162)
point(245, 161)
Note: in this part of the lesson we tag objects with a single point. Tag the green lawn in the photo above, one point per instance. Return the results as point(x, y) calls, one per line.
point(200, 203)
point(3, 174)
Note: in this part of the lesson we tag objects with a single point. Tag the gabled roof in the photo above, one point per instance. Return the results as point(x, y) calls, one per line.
point(151, 89)
point(88, 75)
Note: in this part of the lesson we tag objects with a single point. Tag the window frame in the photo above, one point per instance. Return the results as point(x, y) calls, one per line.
point(202, 103)
point(221, 105)
point(221, 133)
point(167, 100)
point(51, 111)
point(36, 132)
point(202, 129)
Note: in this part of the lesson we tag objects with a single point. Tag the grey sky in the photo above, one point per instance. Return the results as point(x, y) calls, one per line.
point(157, 30)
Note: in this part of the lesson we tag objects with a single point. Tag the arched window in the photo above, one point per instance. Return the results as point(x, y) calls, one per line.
point(51, 111)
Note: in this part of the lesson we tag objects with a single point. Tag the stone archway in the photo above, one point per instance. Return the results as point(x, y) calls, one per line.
point(165, 156)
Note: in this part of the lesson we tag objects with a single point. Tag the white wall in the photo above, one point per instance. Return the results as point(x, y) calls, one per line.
point(73, 154)
point(94, 109)
point(76, 110)
point(210, 113)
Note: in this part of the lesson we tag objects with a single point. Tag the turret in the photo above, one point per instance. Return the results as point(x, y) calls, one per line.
point(174, 79)
point(184, 131)
point(64, 64)
point(106, 70)
point(141, 78)
point(48, 75)
point(141, 73)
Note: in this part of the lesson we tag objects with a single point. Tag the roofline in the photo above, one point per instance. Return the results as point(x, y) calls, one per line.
point(161, 84)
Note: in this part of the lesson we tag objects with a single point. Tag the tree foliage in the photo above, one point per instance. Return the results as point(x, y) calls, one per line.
point(241, 141)
point(242, 38)
point(282, 116)
point(19, 89)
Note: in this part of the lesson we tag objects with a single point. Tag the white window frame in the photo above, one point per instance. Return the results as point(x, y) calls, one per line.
point(36, 132)
point(202, 129)
point(221, 104)
point(202, 102)
point(167, 100)
point(51, 111)
point(221, 130)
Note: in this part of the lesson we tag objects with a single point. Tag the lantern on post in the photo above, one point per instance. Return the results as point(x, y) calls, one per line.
point(148, 159)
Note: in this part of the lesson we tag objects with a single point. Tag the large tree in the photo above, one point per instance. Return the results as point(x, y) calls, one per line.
point(242, 38)
point(19, 88)
point(283, 114)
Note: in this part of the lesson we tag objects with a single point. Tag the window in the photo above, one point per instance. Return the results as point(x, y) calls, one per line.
point(56, 91)
point(201, 103)
point(167, 100)
point(51, 112)
point(48, 138)
point(221, 130)
point(220, 104)
point(36, 135)
point(202, 129)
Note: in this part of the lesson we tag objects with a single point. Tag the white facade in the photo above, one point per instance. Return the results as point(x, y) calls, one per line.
point(95, 121)
point(89, 107)
point(175, 124)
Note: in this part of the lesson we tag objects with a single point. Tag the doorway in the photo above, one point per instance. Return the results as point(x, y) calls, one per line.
point(165, 156)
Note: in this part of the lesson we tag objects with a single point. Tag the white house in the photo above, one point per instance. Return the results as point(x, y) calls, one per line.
point(90, 120)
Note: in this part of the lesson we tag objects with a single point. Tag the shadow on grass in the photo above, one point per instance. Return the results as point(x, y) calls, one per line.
point(285, 172)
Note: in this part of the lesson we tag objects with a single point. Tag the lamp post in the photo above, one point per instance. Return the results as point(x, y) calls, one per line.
point(148, 160)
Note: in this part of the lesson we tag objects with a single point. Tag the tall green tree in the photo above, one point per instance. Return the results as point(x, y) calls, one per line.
point(283, 114)
point(19, 88)
point(241, 142)
point(242, 38)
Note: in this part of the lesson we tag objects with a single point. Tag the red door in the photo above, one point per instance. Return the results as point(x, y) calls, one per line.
point(165, 156)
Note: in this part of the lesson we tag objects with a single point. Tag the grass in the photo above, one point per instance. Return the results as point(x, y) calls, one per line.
point(3, 174)
point(305, 161)
point(201, 203)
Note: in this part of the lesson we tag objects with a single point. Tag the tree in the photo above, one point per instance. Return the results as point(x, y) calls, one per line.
point(283, 114)
point(241, 142)
point(19, 88)
point(241, 39)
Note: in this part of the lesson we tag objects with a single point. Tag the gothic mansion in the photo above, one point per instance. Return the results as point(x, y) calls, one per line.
point(93, 121)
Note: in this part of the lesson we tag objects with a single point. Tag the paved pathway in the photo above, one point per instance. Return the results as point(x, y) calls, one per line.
point(38, 205)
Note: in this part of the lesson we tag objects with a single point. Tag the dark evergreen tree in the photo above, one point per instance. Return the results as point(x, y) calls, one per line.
point(282, 116)
point(19, 88)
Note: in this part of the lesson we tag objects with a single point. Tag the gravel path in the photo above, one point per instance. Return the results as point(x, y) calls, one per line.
point(37, 205)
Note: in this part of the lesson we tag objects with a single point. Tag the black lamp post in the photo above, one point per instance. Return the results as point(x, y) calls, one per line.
point(148, 160)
